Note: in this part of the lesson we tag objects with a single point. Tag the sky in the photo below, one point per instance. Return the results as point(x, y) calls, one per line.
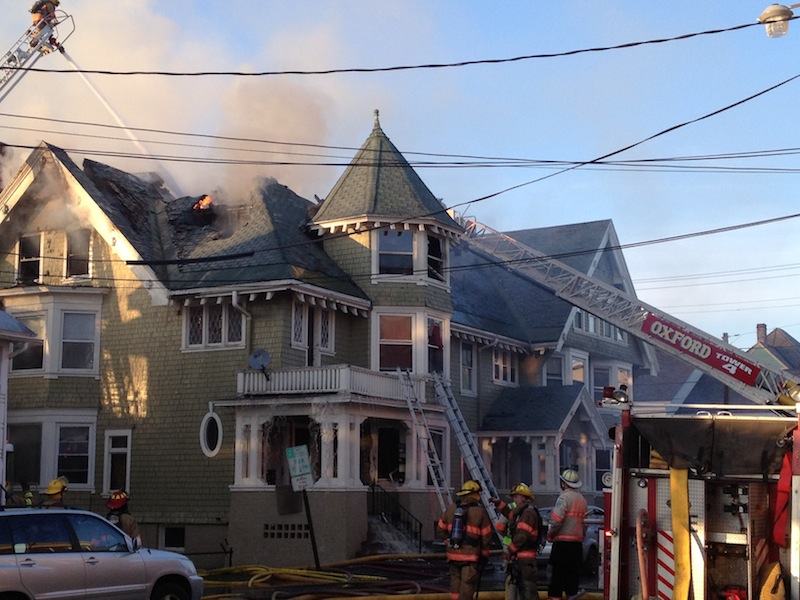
point(647, 104)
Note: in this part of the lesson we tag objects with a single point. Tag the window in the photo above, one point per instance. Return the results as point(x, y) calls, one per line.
point(299, 319)
point(78, 341)
point(505, 366)
point(579, 369)
point(78, 252)
point(591, 324)
point(395, 252)
point(68, 323)
point(554, 371)
point(600, 379)
point(436, 258)
point(30, 259)
point(211, 434)
point(213, 326)
point(33, 356)
point(73, 453)
point(435, 346)
point(396, 347)
point(312, 322)
point(117, 466)
point(50, 443)
point(468, 373)
point(409, 253)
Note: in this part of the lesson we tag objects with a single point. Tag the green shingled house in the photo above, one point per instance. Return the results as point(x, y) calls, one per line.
point(189, 342)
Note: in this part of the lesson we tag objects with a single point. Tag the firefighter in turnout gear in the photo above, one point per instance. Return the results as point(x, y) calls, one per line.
point(566, 532)
point(119, 515)
point(519, 555)
point(468, 532)
point(43, 12)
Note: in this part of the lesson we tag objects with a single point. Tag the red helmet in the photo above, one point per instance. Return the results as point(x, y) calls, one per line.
point(117, 500)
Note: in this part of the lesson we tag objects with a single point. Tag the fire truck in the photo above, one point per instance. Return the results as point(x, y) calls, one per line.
point(703, 501)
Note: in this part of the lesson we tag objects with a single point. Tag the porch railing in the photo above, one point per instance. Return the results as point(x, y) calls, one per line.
point(321, 380)
point(387, 505)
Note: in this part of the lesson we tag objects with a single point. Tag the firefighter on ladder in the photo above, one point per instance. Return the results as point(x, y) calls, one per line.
point(468, 529)
point(43, 12)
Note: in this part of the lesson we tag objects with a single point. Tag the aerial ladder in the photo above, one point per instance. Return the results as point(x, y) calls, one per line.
point(758, 382)
point(701, 518)
point(38, 40)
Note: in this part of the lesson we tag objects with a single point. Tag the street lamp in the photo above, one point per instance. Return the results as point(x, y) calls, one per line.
point(776, 19)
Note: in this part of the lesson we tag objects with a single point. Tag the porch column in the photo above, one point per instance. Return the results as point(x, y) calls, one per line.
point(327, 435)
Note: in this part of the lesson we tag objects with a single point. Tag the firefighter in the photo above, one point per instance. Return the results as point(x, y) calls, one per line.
point(520, 554)
point(121, 517)
point(566, 532)
point(468, 532)
point(55, 492)
point(43, 12)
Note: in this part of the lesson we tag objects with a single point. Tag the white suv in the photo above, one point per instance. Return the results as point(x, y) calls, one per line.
point(66, 553)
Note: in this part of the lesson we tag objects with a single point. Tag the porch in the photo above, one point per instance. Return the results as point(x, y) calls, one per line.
point(331, 379)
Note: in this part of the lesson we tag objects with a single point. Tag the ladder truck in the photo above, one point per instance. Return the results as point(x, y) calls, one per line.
point(38, 40)
point(703, 501)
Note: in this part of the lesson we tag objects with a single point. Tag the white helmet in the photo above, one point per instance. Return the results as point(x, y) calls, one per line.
point(571, 478)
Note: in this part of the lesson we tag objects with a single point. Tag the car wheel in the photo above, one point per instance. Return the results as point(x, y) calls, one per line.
point(592, 562)
point(169, 591)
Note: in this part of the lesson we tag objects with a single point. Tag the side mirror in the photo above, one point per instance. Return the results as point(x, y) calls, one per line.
point(136, 544)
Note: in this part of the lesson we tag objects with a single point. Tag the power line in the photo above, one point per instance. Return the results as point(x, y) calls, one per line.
point(423, 66)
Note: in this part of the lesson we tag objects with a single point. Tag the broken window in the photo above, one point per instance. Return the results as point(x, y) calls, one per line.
point(30, 258)
point(436, 256)
point(78, 252)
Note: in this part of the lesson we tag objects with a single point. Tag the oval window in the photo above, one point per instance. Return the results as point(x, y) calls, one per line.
point(211, 434)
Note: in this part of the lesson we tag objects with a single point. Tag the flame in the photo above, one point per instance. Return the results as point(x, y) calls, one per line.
point(203, 204)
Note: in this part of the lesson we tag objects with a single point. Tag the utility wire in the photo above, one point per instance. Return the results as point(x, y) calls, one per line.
point(450, 65)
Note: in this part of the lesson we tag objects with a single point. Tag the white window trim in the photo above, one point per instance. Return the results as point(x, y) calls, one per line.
point(330, 349)
point(514, 366)
point(108, 451)
point(419, 260)
point(571, 357)
point(53, 307)
point(473, 389)
point(419, 337)
point(299, 325)
point(51, 421)
point(205, 345)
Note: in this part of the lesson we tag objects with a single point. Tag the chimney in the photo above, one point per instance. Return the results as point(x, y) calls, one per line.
point(761, 333)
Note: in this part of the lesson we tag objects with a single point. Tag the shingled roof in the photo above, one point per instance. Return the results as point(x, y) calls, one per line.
point(532, 409)
point(379, 183)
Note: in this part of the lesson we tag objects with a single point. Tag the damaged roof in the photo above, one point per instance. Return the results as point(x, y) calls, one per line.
point(261, 241)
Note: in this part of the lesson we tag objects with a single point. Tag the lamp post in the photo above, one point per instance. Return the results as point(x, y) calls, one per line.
point(776, 19)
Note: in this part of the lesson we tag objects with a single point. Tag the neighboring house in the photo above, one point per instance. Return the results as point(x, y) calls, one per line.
point(14, 338)
point(189, 342)
point(777, 349)
point(678, 382)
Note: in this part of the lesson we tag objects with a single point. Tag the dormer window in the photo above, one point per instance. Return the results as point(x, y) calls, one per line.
point(417, 254)
point(48, 257)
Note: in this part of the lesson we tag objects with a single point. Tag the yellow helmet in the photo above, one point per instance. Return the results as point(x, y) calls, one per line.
point(571, 478)
point(469, 487)
point(522, 490)
point(58, 485)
